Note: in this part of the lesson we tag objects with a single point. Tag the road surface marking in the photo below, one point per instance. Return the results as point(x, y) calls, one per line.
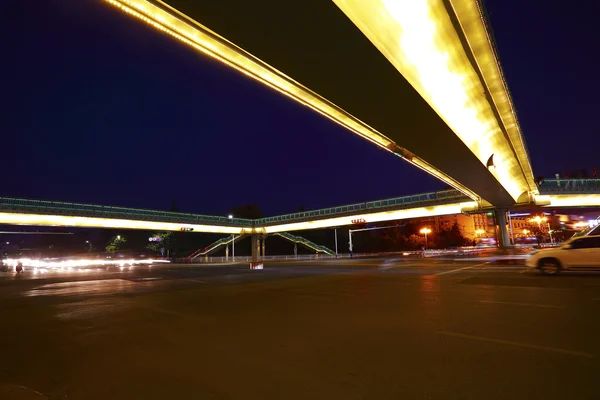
point(521, 304)
point(195, 280)
point(460, 269)
point(517, 344)
point(534, 287)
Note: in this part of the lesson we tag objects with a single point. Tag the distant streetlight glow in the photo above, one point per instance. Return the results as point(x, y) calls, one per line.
point(425, 231)
point(537, 219)
point(230, 216)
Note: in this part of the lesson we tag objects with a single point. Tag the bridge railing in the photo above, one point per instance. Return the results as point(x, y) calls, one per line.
point(47, 207)
point(570, 186)
point(413, 200)
point(8, 204)
point(312, 245)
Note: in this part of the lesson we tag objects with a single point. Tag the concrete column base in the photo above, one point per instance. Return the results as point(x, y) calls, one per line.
point(256, 265)
point(503, 237)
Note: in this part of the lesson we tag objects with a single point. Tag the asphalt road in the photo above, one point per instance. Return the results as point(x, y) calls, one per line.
point(362, 329)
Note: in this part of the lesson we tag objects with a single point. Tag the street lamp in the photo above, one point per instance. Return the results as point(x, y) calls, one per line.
point(539, 221)
point(425, 231)
point(232, 241)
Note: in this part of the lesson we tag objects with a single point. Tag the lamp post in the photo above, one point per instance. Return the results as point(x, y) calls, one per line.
point(232, 241)
point(425, 231)
point(336, 249)
point(539, 221)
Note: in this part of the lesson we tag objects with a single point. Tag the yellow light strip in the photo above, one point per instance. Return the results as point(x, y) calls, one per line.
point(473, 26)
point(87, 222)
point(569, 200)
point(423, 165)
point(419, 39)
point(209, 43)
point(447, 209)
point(202, 39)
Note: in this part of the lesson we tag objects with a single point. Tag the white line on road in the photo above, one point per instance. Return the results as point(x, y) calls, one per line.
point(460, 269)
point(518, 344)
point(536, 287)
point(520, 304)
point(195, 280)
point(526, 271)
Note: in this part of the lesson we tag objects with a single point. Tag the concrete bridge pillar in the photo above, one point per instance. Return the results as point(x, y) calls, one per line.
point(264, 246)
point(503, 237)
point(255, 246)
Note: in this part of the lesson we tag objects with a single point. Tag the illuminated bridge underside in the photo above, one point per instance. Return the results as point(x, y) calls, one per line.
point(58, 213)
point(392, 215)
point(570, 200)
point(419, 79)
point(50, 213)
point(55, 213)
point(111, 223)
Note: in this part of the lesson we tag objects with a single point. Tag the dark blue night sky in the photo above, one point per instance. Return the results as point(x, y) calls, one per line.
point(99, 108)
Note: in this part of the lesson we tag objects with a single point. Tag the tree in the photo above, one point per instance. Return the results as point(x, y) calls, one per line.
point(115, 244)
point(415, 242)
point(250, 211)
point(161, 240)
point(455, 237)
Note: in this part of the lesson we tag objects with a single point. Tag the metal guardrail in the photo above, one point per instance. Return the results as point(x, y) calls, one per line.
point(309, 257)
point(569, 186)
point(213, 246)
point(96, 211)
point(416, 199)
point(306, 242)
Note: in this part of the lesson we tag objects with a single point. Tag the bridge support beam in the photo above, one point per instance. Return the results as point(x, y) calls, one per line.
point(255, 263)
point(264, 246)
point(255, 247)
point(503, 237)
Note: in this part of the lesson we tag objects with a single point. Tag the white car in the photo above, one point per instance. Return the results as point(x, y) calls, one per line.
point(578, 253)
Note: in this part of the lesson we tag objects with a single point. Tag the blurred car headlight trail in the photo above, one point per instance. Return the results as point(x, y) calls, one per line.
point(69, 265)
